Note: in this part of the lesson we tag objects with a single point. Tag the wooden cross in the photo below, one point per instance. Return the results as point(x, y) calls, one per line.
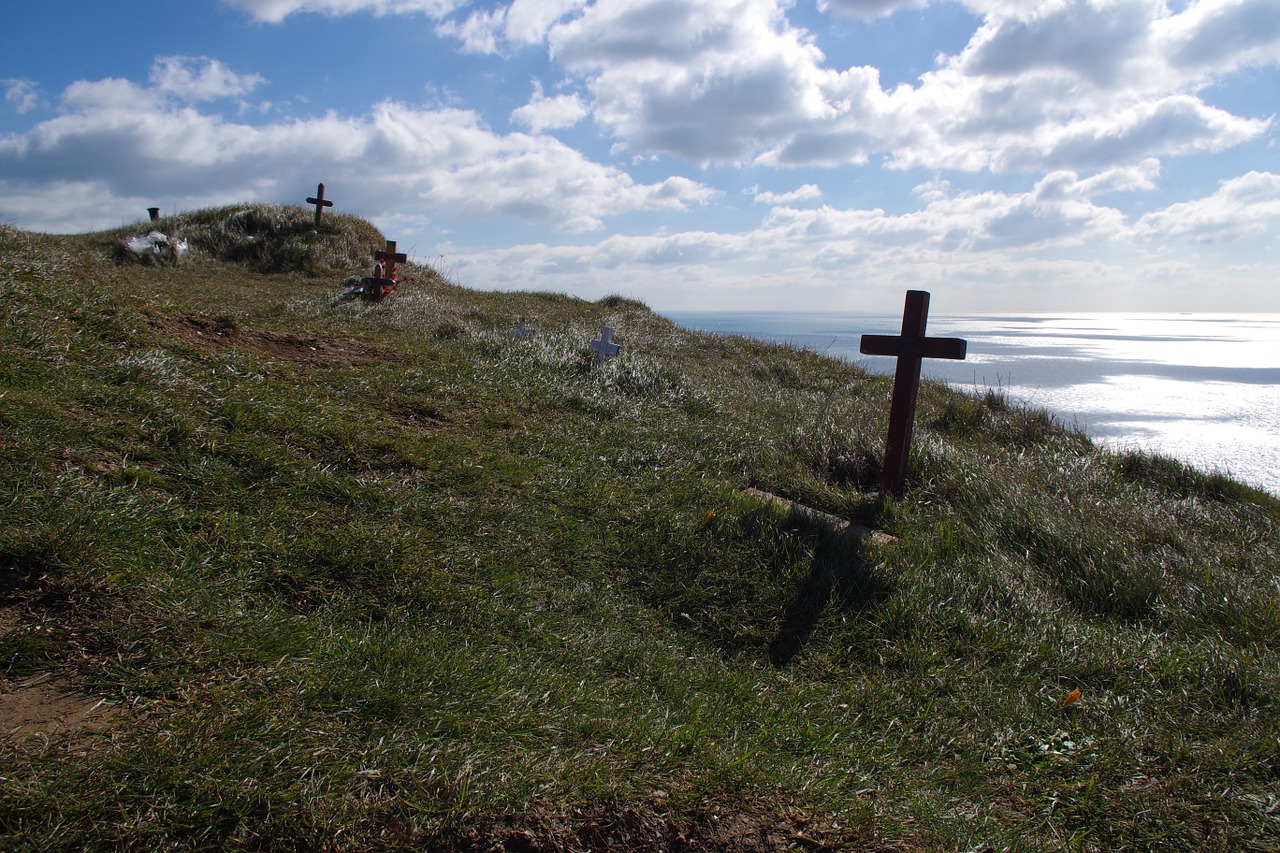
point(320, 202)
point(390, 254)
point(383, 281)
point(605, 347)
point(910, 348)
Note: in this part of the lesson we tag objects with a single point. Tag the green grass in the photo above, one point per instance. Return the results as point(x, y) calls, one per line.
point(476, 594)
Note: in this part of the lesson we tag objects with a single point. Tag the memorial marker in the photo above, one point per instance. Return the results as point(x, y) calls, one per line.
point(390, 254)
point(383, 282)
point(320, 202)
point(523, 330)
point(911, 347)
point(605, 347)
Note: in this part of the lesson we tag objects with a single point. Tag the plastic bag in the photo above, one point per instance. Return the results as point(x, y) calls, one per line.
point(157, 245)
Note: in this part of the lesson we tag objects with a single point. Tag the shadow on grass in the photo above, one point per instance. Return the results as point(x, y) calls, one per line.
point(842, 576)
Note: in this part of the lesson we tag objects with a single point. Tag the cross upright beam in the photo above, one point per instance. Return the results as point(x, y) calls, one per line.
point(911, 347)
point(320, 202)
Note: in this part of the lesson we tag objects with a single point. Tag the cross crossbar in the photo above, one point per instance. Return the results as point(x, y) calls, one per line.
point(952, 348)
point(320, 202)
point(376, 288)
point(391, 254)
point(910, 348)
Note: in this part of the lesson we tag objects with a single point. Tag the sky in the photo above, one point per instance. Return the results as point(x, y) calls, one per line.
point(813, 155)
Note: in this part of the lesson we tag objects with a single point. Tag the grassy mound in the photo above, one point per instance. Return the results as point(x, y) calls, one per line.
point(268, 238)
point(364, 576)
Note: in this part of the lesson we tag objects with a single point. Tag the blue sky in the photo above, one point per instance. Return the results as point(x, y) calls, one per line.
point(1006, 155)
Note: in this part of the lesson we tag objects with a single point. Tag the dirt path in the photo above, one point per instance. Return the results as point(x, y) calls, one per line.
point(210, 335)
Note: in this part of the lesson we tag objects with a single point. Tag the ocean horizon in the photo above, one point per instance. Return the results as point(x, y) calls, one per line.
point(1203, 388)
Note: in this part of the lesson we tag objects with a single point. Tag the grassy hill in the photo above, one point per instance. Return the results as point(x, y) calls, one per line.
point(278, 573)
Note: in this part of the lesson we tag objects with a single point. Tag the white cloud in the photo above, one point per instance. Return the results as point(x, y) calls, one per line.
point(480, 33)
point(1082, 84)
point(1041, 85)
point(522, 22)
point(1175, 125)
point(173, 79)
point(963, 222)
point(24, 95)
point(1093, 41)
point(133, 142)
point(1244, 206)
point(543, 113)
point(868, 8)
point(109, 93)
point(200, 78)
point(1033, 125)
point(946, 229)
point(710, 81)
point(1067, 184)
point(52, 205)
point(1051, 247)
point(1135, 45)
point(275, 11)
point(808, 192)
point(529, 21)
point(1222, 35)
point(453, 164)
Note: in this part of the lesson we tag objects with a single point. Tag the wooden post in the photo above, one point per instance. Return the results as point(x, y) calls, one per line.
point(910, 348)
point(320, 202)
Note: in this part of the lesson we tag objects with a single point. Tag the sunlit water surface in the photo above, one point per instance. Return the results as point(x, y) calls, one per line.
point(1204, 388)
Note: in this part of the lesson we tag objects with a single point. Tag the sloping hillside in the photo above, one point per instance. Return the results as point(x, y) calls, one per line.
point(283, 572)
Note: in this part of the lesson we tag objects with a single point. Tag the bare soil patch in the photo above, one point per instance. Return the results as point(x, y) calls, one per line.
point(627, 828)
point(41, 711)
point(213, 335)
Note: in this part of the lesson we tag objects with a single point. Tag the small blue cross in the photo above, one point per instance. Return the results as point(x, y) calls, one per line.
point(521, 331)
point(605, 347)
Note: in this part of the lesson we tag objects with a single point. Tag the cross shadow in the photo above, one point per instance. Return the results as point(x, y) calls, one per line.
point(843, 575)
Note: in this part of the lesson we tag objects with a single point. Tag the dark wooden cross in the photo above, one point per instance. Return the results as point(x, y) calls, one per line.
point(383, 280)
point(320, 202)
point(390, 254)
point(910, 347)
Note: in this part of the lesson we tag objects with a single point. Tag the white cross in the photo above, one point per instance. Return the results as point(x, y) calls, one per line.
point(605, 347)
point(522, 331)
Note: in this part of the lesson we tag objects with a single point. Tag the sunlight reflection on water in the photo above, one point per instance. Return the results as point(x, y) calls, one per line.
point(1203, 388)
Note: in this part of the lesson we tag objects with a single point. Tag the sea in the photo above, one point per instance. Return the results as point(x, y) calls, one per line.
point(1203, 388)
